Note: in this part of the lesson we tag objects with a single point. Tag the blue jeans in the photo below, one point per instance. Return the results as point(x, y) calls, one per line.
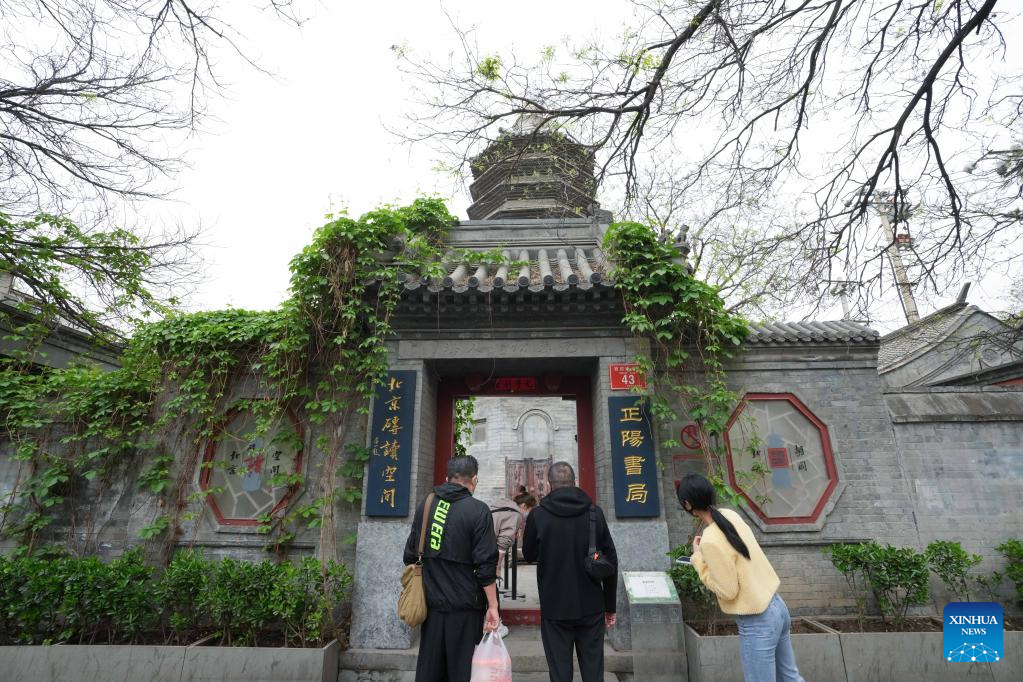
point(765, 646)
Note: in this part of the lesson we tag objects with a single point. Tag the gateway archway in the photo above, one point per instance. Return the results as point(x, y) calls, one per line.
point(532, 420)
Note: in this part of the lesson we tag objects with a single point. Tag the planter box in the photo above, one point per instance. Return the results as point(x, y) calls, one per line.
point(856, 657)
point(904, 655)
point(127, 663)
point(1013, 643)
point(716, 659)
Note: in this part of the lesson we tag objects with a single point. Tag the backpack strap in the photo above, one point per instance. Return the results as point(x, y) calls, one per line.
point(593, 530)
point(422, 529)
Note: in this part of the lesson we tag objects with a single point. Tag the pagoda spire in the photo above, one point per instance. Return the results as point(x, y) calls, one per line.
point(533, 170)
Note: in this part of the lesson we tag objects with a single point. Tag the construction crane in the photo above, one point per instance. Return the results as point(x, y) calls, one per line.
point(884, 204)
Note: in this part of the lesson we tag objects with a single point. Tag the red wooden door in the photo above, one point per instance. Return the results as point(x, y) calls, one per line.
point(540, 467)
point(531, 473)
point(515, 475)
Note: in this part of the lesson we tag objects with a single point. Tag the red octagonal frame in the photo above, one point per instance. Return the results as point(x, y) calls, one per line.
point(210, 449)
point(829, 459)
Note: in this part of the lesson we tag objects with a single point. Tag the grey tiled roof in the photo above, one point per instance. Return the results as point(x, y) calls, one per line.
point(584, 267)
point(838, 331)
point(911, 339)
point(535, 269)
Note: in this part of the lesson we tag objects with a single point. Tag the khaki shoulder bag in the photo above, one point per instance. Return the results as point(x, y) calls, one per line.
point(412, 600)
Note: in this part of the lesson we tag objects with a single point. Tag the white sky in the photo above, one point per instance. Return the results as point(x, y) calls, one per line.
point(280, 151)
point(285, 149)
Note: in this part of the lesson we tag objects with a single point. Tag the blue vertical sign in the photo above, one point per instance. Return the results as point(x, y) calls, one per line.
point(390, 462)
point(633, 462)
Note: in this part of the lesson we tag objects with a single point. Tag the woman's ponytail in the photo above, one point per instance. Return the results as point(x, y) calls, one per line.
point(696, 491)
point(730, 533)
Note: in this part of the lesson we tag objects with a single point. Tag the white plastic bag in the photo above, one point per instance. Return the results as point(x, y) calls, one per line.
point(491, 662)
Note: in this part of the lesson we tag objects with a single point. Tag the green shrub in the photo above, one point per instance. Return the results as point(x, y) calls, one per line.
point(1012, 550)
point(125, 601)
point(238, 600)
point(694, 595)
point(849, 561)
point(990, 584)
point(31, 591)
point(130, 606)
point(179, 592)
point(952, 565)
point(897, 577)
point(303, 597)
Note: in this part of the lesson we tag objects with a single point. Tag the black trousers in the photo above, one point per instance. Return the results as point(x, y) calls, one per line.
point(446, 644)
point(586, 636)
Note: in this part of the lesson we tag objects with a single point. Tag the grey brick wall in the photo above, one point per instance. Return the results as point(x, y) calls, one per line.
point(915, 468)
point(105, 517)
point(840, 386)
point(966, 475)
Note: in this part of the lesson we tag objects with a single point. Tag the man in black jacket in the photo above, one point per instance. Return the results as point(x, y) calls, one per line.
point(459, 571)
point(575, 609)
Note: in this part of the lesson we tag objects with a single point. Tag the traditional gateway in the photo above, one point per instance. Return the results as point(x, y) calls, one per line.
point(849, 455)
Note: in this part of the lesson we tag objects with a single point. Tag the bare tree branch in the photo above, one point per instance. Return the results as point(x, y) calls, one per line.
point(813, 106)
point(96, 95)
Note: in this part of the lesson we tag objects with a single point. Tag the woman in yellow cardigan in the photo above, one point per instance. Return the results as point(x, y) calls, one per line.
point(731, 564)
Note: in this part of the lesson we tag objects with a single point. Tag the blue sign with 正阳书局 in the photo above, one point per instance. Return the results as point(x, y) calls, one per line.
point(972, 632)
point(633, 462)
point(390, 462)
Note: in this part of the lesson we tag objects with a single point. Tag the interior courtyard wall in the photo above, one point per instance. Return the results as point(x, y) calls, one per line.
point(976, 346)
point(503, 419)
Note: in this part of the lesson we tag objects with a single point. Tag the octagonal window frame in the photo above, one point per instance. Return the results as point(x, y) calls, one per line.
point(209, 451)
point(830, 494)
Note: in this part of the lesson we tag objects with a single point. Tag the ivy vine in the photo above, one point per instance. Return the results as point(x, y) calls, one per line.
point(465, 417)
point(320, 353)
point(692, 336)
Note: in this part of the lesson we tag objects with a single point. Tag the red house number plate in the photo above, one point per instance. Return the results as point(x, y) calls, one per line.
point(626, 377)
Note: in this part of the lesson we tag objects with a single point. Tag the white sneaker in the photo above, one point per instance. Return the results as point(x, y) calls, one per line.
point(502, 631)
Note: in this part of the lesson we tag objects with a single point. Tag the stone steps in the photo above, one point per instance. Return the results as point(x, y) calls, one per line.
point(410, 676)
point(524, 646)
point(544, 677)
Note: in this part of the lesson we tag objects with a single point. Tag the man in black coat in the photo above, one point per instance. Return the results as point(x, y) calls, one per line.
point(459, 572)
point(575, 610)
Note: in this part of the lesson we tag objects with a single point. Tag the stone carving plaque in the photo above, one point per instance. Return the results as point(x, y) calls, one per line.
point(780, 458)
point(246, 471)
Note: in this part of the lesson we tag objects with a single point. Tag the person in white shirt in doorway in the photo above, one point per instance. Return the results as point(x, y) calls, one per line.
point(507, 523)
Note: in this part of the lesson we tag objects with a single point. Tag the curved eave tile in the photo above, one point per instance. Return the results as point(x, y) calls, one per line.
point(786, 333)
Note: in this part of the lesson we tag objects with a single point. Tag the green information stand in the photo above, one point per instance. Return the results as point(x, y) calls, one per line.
point(658, 642)
point(650, 587)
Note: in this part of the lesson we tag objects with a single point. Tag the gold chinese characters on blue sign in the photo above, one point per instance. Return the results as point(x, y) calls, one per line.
point(633, 462)
point(390, 462)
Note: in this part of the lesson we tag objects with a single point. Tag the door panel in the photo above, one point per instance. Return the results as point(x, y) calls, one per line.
point(515, 475)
